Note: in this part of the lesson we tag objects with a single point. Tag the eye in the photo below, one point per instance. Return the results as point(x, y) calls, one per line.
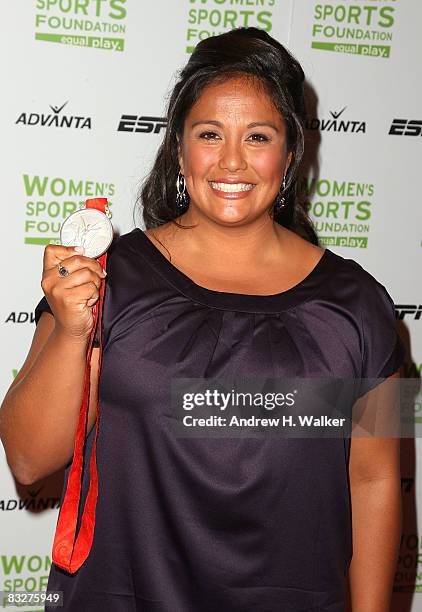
point(259, 138)
point(208, 135)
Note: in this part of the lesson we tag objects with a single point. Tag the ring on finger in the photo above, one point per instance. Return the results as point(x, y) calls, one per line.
point(62, 270)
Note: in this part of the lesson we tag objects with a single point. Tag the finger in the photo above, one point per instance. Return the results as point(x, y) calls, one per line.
point(92, 301)
point(54, 253)
point(53, 281)
point(78, 262)
point(85, 292)
point(80, 277)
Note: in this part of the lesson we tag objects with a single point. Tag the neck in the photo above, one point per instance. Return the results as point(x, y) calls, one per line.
point(261, 240)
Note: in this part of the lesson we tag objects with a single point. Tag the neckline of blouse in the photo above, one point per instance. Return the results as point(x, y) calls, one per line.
point(276, 302)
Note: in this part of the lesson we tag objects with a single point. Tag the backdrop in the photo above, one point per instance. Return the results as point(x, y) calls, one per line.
point(84, 87)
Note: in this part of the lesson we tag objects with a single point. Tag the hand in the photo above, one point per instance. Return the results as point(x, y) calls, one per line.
point(72, 297)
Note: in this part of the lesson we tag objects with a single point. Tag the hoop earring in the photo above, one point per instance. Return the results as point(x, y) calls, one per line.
point(182, 196)
point(280, 201)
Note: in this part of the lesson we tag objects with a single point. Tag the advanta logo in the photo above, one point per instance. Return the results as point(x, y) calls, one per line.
point(32, 501)
point(20, 317)
point(55, 119)
point(406, 127)
point(143, 124)
point(335, 124)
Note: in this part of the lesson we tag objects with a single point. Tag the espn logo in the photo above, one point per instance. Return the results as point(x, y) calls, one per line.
point(413, 310)
point(406, 127)
point(143, 124)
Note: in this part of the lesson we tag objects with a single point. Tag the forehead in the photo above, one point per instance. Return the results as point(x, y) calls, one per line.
point(237, 99)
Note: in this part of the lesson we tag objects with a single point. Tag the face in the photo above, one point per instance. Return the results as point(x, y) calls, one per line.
point(233, 153)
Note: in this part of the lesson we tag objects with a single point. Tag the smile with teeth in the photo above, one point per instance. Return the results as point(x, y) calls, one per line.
point(232, 187)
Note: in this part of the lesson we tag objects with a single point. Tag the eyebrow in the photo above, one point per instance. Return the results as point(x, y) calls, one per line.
point(251, 125)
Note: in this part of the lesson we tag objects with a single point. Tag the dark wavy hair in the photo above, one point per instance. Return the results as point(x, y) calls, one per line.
point(242, 51)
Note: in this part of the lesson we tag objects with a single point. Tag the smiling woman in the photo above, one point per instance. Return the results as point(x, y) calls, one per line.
point(245, 80)
point(231, 156)
point(227, 281)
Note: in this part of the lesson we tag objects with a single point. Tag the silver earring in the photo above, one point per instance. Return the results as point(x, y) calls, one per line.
point(280, 201)
point(182, 197)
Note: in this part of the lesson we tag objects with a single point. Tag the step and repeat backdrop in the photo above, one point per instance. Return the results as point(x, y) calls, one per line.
point(84, 89)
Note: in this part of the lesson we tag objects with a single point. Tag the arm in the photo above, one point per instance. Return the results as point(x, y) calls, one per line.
point(39, 414)
point(375, 487)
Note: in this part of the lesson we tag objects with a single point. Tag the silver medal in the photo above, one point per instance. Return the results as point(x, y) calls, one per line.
point(89, 228)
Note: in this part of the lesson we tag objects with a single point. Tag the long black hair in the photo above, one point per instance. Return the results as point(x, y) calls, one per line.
point(242, 51)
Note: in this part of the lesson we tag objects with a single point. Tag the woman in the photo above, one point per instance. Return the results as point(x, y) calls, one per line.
point(228, 279)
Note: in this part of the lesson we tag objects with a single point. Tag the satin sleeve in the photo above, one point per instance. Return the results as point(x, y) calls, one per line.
point(383, 349)
point(43, 305)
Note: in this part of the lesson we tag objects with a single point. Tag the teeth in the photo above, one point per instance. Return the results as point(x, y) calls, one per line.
point(232, 187)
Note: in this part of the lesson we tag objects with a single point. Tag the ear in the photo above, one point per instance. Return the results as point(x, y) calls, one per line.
point(179, 154)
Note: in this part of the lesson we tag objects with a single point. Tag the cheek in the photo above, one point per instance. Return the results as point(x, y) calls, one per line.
point(198, 159)
point(268, 164)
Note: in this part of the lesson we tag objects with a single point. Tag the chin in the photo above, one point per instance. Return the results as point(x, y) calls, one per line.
point(230, 219)
point(225, 213)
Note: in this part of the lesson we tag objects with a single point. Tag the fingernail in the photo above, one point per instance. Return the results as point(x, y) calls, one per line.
point(79, 249)
point(104, 272)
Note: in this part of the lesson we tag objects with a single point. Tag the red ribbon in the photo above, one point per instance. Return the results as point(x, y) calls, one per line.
point(70, 552)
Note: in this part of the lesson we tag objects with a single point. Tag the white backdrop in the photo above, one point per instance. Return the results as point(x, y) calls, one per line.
point(72, 68)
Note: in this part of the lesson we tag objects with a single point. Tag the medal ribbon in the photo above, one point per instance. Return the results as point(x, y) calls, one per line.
point(70, 551)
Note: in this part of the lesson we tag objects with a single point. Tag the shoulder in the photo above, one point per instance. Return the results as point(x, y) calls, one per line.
point(383, 349)
point(125, 252)
point(124, 261)
point(359, 283)
point(129, 261)
point(124, 243)
point(341, 277)
point(350, 292)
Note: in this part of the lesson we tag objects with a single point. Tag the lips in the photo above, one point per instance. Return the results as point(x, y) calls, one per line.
point(229, 187)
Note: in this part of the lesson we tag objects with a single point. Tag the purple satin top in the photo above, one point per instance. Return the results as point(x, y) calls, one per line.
point(221, 524)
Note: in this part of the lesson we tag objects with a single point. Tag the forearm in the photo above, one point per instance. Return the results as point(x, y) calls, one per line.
point(376, 525)
point(38, 417)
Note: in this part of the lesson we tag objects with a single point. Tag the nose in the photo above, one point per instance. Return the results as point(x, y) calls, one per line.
point(232, 156)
